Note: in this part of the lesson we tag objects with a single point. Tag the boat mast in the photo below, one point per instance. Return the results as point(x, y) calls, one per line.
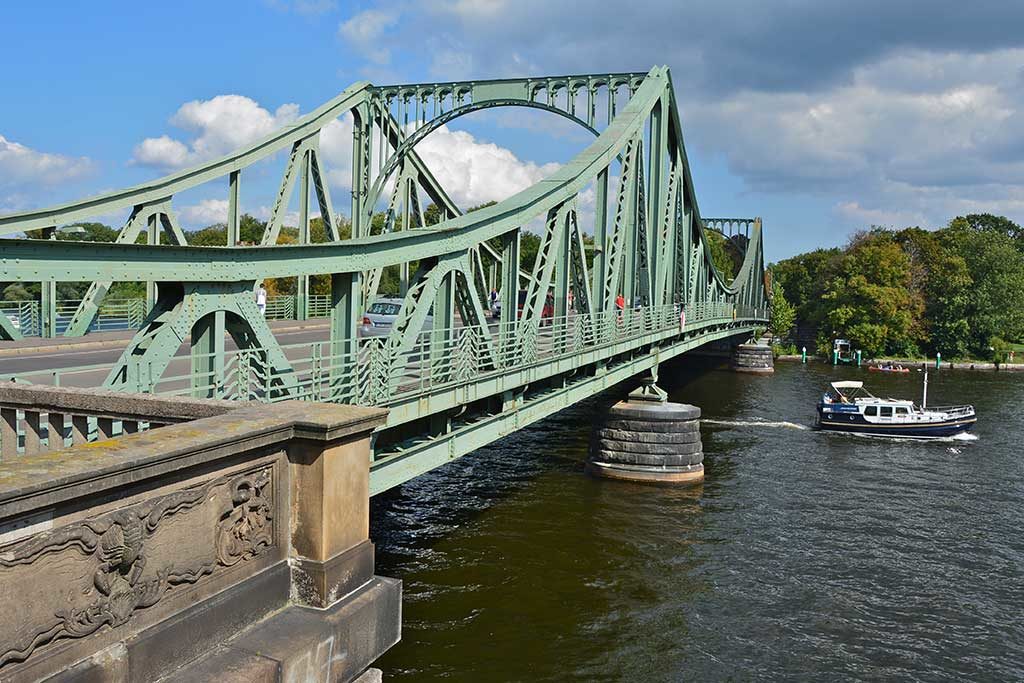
point(924, 399)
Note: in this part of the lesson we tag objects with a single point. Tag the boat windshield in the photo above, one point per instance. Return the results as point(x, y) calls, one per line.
point(847, 392)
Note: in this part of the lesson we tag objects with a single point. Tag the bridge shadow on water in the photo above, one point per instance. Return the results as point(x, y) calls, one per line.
point(519, 566)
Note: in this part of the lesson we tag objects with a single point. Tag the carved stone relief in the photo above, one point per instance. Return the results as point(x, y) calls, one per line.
point(76, 579)
point(246, 529)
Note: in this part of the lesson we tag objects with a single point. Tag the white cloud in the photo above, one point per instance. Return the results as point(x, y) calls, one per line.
point(291, 218)
point(364, 31)
point(336, 150)
point(472, 9)
point(910, 139)
point(474, 171)
point(220, 125)
point(894, 114)
point(21, 165)
point(206, 212)
point(449, 64)
point(857, 215)
point(163, 151)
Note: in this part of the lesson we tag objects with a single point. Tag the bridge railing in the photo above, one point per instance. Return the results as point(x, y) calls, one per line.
point(377, 373)
point(24, 316)
point(35, 419)
point(130, 313)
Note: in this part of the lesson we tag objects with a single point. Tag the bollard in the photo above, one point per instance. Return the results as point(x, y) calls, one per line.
point(803, 358)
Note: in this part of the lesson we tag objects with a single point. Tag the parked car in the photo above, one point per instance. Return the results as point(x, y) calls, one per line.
point(381, 315)
point(15, 320)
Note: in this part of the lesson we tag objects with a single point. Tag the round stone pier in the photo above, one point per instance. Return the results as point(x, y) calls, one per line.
point(649, 441)
point(753, 358)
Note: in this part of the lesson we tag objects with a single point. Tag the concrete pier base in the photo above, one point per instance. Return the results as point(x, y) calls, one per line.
point(753, 358)
point(648, 441)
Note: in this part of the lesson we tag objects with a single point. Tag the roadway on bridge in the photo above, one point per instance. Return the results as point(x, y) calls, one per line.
point(46, 362)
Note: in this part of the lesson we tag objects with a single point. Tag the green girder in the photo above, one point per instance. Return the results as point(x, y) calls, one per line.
point(650, 245)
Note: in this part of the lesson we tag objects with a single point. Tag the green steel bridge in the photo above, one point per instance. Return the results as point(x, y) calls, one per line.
point(452, 379)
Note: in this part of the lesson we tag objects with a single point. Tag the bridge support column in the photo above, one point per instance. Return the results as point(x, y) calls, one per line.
point(753, 358)
point(330, 513)
point(649, 439)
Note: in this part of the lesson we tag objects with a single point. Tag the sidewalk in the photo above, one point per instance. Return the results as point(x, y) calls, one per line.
point(120, 338)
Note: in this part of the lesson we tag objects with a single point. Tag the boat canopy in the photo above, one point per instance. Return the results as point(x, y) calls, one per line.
point(850, 384)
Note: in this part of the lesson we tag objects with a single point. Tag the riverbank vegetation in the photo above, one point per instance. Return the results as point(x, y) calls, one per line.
point(958, 291)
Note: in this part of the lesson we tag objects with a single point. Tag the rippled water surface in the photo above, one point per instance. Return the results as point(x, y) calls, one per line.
point(803, 556)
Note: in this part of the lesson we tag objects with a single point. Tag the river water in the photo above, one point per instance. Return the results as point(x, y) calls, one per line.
point(803, 556)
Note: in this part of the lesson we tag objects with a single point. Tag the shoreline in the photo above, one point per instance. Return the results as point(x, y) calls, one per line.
point(914, 364)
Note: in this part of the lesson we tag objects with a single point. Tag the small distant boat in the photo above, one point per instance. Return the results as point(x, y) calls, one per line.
point(849, 407)
point(843, 353)
point(888, 368)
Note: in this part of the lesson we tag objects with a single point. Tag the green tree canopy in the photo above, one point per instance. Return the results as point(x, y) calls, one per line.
point(783, 315)
point(951, 290)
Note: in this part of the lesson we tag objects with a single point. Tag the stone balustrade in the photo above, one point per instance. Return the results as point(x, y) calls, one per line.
point(37, 418)
point(231, 544)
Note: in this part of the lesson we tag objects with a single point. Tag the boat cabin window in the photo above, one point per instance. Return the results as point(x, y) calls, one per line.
point(886, 411)
point(901, 411)
point(871, 411)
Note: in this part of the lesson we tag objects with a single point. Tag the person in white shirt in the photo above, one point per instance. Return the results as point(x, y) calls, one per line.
point(261, 299)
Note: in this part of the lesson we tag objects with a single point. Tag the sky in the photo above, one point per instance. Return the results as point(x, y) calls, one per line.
point(821, 117)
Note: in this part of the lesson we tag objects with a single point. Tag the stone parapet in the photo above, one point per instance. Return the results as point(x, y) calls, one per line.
point(39, 418)
point(130, 558)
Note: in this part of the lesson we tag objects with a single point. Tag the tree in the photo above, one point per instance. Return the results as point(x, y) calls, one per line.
point(720, 254)
point(803, 279)
point(995, 301)
point(783, 315)
point(432, 214)
point(529, 245)
point(986, 222)
point(947, 305)
point(870, 302)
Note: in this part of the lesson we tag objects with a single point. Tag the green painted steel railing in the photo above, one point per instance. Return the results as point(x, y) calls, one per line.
point(379, 374)
point(24, 316)
point(130, 314)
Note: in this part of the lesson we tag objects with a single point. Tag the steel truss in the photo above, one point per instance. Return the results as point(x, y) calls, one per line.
point(647, 289)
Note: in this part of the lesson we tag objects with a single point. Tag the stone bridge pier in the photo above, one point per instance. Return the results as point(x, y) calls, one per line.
point(146, 539)
point(648, 439)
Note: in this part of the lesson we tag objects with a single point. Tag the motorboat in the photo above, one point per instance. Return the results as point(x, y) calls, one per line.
point(849, 407)
point(843, 353)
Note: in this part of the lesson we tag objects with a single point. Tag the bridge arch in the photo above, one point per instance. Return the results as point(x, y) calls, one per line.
point(407, 145)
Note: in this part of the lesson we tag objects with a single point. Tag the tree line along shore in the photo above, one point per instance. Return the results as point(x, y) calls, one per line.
point(908, 294)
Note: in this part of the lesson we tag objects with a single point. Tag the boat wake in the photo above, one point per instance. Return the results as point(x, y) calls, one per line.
point(954, 438)
point(963, 436)
point(756, 422)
